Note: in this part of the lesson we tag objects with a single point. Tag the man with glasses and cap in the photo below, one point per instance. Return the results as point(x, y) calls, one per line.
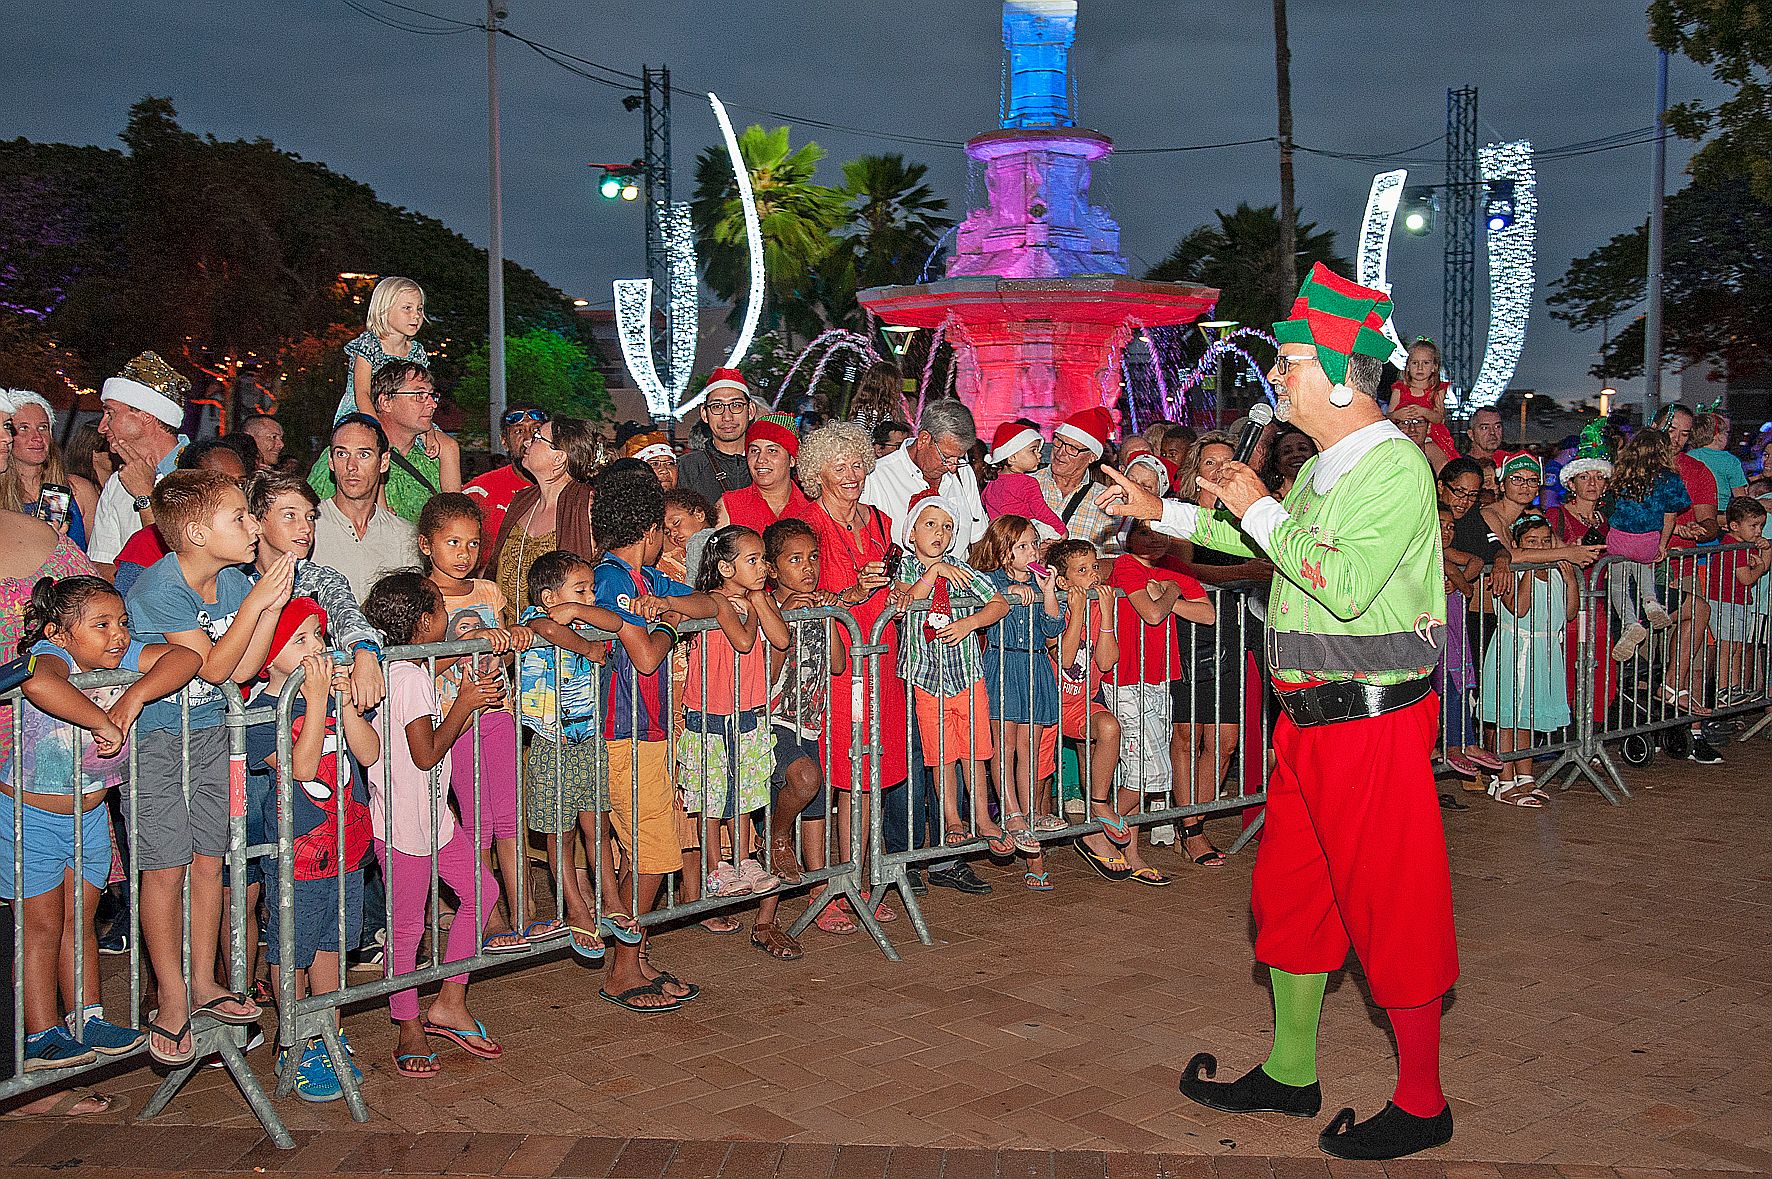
point(493, 490)
point(405, 404)
point(722, 467)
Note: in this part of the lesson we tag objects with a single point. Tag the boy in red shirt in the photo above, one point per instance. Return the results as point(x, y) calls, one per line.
point(1730, 587)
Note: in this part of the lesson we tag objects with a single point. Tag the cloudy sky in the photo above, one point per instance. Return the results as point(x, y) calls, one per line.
point(405, 112)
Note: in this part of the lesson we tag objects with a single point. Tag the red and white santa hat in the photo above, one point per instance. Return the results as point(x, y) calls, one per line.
point(1090, 428)
point(920, 503)
point(725, 378)
point(1009, 440)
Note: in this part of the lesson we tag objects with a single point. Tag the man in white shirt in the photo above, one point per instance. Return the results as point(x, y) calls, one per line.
point(144, 406)
point(934, 459)
point(354, 534)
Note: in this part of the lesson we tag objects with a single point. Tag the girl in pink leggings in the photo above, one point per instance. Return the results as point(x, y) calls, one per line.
point(409, 812)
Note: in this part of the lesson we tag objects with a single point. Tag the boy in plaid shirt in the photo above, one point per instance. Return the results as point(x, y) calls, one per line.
point(939, 658)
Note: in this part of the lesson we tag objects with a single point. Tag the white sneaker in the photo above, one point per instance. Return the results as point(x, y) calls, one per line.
point(1658, 616)
point(726, 880)
point(758, 878)
point(1627, 643)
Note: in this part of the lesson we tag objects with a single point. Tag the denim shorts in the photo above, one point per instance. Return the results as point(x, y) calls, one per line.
point(790, 747)
point(49, 848)
point(316, 918)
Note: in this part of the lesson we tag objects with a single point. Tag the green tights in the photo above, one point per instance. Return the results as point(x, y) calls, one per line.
point(1298, 1005)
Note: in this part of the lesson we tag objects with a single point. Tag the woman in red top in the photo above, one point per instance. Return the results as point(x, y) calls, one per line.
point(771, 446)
point(1421, 385)
point(853, 539)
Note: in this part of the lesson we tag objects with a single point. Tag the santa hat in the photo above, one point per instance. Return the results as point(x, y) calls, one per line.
point(777, 428)
point(1340, 319)
point(1511, 462)
point(149, 384)
point(295, 612)
point(647, 447)
point(920, 503)
point(1009, 440)
point(17, 399)
point(725, 378)
point(1089, 428)
point(1163, 467)
point(1590, 454)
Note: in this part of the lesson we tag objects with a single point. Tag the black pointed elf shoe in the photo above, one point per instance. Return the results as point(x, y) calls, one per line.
point(1253, 1092)
point(1390, 1134)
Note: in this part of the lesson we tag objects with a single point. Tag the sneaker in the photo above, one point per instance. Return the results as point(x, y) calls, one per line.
point(107, 1039)
point(759, 878)
point(1658, 616)
point(54, 1048)
point(1627, 643)
point(115, 940)
point(314, 1079)
point(960, 877)
point(1703, 752)
point(726, 880)
point(918, 887)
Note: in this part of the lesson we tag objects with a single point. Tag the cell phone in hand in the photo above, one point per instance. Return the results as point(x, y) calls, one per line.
point(894, 560)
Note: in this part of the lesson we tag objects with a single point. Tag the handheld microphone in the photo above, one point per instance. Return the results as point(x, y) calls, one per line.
point(1260, 414)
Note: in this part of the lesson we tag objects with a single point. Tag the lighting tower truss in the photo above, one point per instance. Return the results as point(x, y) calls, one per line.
point(1459, 280)
point(1512, 269)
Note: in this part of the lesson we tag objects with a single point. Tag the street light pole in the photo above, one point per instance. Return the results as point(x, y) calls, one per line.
point(1657, 232)
point(495, 245)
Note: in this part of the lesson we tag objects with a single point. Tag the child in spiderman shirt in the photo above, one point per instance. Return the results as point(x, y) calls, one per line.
point(326, 795)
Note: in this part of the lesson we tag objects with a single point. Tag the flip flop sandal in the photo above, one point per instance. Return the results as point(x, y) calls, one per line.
point(773, 940)
point(666, 978)
point(1036, 881)
point(1484, 758)
point(1114, 870)
point(1463, 766)
point(832, 919)
point(721, 925)
point(171, 1059)
point(627, 935)
point(1150, 876)
point(63, 1106)
point(956, 837)
point(459, 1037)
point(591, 953)
point(1114, 827)
point(507, 943)
point(417, 1074)
point(550, 930)
point(1002, 846)
point(1048, 823)
point(625, 999)
point(1207, 859)
point(1024, 841)
point(213, 1010)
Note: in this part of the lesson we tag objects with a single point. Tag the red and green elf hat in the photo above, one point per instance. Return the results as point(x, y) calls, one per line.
point(1340, 318)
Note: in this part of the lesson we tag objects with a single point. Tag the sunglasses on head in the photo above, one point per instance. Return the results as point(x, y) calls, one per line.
point(520, 415)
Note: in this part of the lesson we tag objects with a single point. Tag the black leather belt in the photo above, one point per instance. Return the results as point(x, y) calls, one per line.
point(1345, 700)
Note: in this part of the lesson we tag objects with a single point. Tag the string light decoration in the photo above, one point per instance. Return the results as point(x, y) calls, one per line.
point(685, 305)
point(1513, 257)
point(633, 330)
point(1375, 245)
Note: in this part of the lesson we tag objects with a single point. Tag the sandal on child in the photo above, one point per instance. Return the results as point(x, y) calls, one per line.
point(546, 930)
point(775, 941)
point(1507, 790)
point(1021, 836)
point(956, 836)
point(721, 924)
point(1483, 757)
point(174, 1058)
point(1530, 785)
point(784, 862)
point(503, 943)
point(1000, 845)
point(621, 927)
point(416, 1074)
point(1036, 881)
point(587, 944)
point(832, 919)
point(1113, 825)
point(1045, 824)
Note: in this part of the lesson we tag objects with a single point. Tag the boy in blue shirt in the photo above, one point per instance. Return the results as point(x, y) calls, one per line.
point(627, 521)
point(196, 598)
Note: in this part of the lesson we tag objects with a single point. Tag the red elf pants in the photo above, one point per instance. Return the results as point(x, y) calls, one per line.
point(1353, 853)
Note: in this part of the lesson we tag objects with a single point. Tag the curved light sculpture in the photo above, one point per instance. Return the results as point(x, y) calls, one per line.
point(1513, 260)
point(1375, 245)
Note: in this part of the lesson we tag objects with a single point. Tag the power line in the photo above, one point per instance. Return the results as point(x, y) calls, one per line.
point(407, 26)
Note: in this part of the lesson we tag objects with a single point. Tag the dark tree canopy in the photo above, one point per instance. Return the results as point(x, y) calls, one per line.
point(1240, 255)
point(1734, 39)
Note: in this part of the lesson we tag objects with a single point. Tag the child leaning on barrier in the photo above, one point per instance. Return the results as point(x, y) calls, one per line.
point(799, 697)
point(1021, 681)
point(727, 749)
point(1525, 682)
point(565, 771)
point(73, 625)
point(1647, 499)
point(329, 821)
point(409, 811)
point(939, 660)
point(1087, 647)
point(1729, 586)
point(449, 546)
point(198, 597)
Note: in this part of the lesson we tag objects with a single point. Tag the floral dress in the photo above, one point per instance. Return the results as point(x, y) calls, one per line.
point(368, 346)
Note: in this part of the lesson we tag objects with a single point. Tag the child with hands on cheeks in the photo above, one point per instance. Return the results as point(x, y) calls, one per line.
point(939, 658)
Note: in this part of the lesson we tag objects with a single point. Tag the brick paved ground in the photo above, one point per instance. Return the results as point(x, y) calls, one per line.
point(1613, 1013)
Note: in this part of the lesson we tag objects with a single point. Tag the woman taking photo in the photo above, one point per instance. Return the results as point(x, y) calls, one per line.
point(562, 458)
point(37, 460)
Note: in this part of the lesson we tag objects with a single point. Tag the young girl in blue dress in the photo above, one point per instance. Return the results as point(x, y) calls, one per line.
point(1021, 679)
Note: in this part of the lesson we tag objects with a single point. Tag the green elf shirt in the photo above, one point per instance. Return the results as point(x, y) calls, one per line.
point(1360, 591)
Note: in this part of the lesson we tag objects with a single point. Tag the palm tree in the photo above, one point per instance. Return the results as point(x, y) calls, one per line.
point(798, 219)
point(1241, 257)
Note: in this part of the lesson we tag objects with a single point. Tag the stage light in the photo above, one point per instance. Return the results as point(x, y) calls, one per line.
point(1419, 207)
point(1499, 207)
point(610, 187)
point(629, 190)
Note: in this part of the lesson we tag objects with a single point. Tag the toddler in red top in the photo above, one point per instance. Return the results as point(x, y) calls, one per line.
point(1729, 587)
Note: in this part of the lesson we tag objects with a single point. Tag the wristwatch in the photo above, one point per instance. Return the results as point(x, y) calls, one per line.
point(143, 502)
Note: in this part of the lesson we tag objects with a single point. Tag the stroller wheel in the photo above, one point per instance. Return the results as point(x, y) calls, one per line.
point(1637, 751)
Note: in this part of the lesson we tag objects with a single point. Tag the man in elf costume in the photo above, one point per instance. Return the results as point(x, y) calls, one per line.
point(1353, 852)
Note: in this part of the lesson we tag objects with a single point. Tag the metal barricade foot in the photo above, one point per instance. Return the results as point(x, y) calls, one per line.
point(1249, 832)
point(341, 1068)
point(210, 1041)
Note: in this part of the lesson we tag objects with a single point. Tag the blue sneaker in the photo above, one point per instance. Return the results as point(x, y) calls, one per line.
point(350, 1055)
point(55, 1048)
point(107, 1039)
point(314, 1078)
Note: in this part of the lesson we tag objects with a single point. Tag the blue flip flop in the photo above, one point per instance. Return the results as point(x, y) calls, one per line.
point(413, 1074)
point(587, 953)
point(459, 1037)
point(546, 931)
point(622, 934)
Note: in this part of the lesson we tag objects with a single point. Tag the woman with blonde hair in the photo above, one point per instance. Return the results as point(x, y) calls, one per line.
point(37, 460)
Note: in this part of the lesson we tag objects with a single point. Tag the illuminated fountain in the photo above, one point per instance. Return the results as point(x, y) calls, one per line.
point(1036, 302)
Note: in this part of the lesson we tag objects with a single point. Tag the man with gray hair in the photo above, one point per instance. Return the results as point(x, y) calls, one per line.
point(934, 459)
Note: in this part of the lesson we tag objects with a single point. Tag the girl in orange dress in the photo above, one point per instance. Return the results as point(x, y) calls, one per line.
point(1421, 385)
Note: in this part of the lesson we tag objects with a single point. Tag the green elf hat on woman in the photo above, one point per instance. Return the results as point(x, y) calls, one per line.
point(1590, 454)
point(1340, 319)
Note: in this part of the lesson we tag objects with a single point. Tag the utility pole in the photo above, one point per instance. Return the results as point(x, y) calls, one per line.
point(1652, 320)
point(495, 244)
point(1288, 208)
